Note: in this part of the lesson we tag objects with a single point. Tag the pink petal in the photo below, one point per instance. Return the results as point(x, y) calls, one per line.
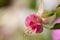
point(57, 21)
point(34, 22)
point(39, 28)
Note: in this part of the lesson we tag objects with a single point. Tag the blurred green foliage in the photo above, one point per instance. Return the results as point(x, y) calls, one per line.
point(56, 26)
point(47, 14)
point(57, 12)
point(4, 3)
point(58, 6)
point(33, 4)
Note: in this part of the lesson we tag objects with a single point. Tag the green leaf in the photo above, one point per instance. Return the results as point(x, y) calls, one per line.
point(58, 6)
point(56, 26)
point(57, 12)
point(51, 14)
point(47, 14)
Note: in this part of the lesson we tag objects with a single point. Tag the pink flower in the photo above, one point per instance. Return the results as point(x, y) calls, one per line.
point(34, 22)
point(57, 21)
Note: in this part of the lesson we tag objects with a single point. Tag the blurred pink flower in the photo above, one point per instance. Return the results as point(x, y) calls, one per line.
point(57, 21)
point(34, 22)
point(56, 32)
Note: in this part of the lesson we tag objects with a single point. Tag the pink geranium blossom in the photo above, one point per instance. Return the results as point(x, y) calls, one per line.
point(57, 21)
point(34, 22)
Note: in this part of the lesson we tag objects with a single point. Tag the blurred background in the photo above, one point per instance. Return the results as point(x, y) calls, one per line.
point(26, 7)
point(31, 4)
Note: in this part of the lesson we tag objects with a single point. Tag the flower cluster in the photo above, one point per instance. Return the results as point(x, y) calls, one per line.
point(35, 23)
